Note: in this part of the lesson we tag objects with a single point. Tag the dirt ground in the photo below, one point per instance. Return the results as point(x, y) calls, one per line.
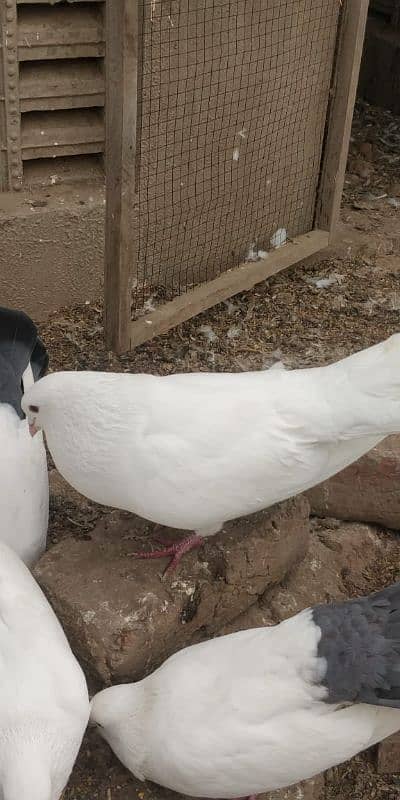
point(343, 300)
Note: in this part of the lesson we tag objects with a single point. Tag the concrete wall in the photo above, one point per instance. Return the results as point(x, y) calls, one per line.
point(51, 248)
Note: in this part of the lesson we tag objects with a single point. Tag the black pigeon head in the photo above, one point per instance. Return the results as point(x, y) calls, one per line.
point(19, 345)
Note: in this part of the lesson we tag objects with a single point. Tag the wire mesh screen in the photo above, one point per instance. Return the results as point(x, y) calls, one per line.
point(232, 106)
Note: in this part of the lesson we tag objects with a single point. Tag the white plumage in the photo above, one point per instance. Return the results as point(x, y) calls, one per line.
point(193, 451)
point(24, 490)
point(44, 705)
point(253, 711)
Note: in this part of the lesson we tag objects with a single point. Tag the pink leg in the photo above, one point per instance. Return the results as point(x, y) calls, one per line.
point(175, 550)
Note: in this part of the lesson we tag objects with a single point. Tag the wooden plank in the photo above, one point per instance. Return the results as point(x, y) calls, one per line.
point(61, 51)
point(229, 283)
point(46, 134)
point(67, 31)
point(53, 2)
point(343, 95)
point(72, 79)
point(122, 37)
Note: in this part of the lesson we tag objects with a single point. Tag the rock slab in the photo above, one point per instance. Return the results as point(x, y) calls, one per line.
point(123, 620)
point(367, 491)
point(344, 560)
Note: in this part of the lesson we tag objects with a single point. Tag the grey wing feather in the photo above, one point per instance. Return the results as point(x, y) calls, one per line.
point(360, 642)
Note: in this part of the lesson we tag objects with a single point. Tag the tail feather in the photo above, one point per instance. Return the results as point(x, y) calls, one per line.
point(376, 368)
point(368, 403)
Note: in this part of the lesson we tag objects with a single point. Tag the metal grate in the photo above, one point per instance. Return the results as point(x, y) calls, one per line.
point(232, 107)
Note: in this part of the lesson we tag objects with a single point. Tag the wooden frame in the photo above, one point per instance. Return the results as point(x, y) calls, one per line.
point(122, 334)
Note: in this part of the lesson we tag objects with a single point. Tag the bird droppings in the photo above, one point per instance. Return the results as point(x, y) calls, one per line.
point(254, 254)
point(326, 282)
point(279, 238)
point(88, 616)
point(234, 331)
point(230, 307)
point(208, 333)
point(185, 587)
point(149, 305)
point(236, 154)
point(149, 597)
point(323, 283)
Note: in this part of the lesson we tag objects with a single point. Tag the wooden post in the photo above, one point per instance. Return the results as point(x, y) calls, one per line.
point(340, 117)
point(122, 35)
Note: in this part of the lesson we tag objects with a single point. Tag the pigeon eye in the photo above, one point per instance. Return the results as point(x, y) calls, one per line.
point(35, 409)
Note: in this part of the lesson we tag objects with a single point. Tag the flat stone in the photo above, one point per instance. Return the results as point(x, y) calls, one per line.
point(123, 620)
point(343, 560)
point(368, 490)
point(389, 755)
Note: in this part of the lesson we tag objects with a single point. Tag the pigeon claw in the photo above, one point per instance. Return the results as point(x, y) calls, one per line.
point(174, 551)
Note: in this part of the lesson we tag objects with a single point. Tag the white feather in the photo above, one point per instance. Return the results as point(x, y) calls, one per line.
point(238, 715)
point(279, 238)
point(24, 489)
point(193, 451)
point(44, 703)
point(24, 492)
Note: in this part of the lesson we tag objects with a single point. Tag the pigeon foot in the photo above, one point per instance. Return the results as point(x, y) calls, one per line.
point(174, 550)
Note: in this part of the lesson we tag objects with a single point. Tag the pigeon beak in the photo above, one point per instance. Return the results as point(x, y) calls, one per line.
point(33, 429)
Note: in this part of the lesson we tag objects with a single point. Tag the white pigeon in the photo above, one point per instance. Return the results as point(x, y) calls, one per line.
point(194, 451)
point(44, 704)
point(24, 489)
point(265, 708)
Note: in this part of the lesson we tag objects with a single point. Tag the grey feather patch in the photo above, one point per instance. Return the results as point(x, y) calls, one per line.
point(360, 642)
point(19, 346)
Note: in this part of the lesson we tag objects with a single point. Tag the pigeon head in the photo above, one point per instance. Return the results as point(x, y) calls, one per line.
point(23, 357)
point(117, 713)
point(35, 405)
point(56, 401)
point(107, 706)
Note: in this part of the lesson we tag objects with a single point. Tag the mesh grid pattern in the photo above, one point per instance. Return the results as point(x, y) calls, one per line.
point(233, 98)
